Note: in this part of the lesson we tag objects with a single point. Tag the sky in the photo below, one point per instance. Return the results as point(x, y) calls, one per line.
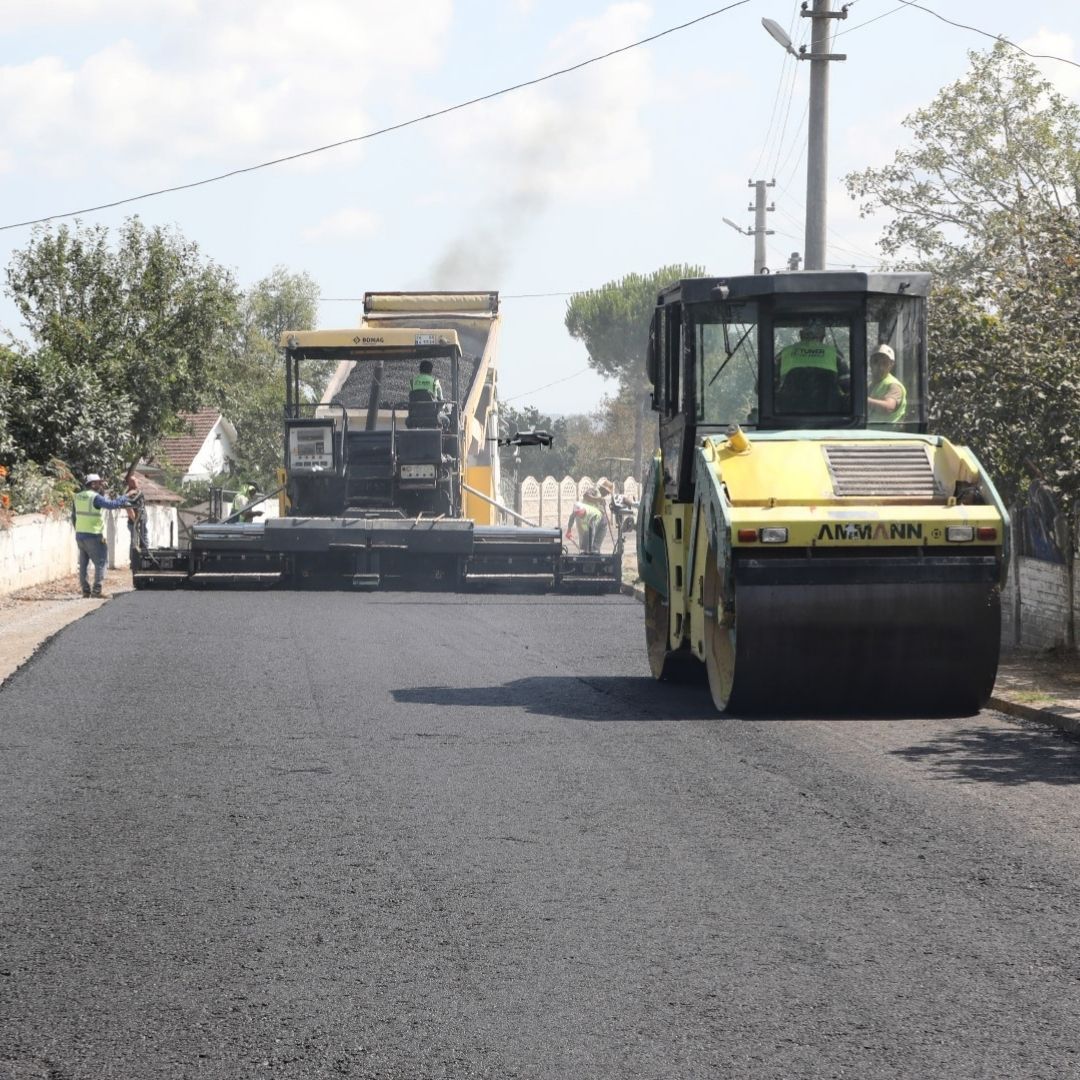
point(625, 165)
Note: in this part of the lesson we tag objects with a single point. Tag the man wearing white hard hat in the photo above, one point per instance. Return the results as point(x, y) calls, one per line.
point(90, 532)
point(887, 400)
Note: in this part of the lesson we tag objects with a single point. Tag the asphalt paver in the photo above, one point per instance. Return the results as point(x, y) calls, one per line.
point(320, 834)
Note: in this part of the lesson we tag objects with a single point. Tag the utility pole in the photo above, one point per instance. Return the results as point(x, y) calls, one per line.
point(758, 232)
point(817, 145)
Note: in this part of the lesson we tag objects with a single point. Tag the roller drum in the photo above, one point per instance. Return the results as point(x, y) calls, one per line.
point(905, 636)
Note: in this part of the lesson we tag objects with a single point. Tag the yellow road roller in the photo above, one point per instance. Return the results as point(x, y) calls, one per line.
point(801, 535)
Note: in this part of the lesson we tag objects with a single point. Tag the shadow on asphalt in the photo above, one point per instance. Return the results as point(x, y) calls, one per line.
point(575, 697)
point(1028, 756)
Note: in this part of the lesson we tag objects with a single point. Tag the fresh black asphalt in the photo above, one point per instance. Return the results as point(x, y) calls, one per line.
point(413, 836)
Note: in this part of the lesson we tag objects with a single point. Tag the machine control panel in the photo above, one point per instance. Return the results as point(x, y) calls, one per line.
point(311, 448)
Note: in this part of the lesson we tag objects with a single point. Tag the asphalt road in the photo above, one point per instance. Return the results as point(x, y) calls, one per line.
point(320, 835)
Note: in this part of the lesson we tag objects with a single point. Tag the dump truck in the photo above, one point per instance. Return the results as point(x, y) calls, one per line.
point(801, 535)
point(386, 484)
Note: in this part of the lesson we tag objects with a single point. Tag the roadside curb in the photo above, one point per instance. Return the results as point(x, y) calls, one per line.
point(1054, 716)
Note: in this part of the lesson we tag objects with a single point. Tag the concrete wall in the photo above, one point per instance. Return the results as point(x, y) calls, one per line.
point(37, 549)
point(1035, 605)
point(34, 550)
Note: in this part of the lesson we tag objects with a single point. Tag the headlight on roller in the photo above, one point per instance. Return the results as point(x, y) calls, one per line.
point(960, 534)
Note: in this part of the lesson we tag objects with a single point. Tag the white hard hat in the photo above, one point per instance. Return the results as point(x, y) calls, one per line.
point(884, 350)
point(92, 478)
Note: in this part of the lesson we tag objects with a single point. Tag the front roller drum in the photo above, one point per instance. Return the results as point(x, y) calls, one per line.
point(902, 637)
point(671, 665)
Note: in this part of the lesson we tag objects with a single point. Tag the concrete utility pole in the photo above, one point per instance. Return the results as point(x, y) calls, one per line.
point(758, 232)
point(817, 145)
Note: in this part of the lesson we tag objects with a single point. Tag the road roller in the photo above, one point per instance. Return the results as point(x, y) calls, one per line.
point(803, 540)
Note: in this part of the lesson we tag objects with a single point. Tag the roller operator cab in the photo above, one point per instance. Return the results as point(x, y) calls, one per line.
point(801, 534)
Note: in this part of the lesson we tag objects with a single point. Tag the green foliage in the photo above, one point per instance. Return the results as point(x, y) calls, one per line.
point(55, 410)
point(990, 153)
point(1003, 363)
point(148, 317)
point(32, 488)
point(613, 322)
point(256, 395)
point(986, 198)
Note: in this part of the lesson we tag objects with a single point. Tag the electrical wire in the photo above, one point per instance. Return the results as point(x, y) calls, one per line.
point(776, 97)
point(992, 37)
point(537, 389)
point(381, 131)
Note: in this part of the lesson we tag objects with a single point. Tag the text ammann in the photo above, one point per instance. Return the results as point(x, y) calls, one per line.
point(868, 530)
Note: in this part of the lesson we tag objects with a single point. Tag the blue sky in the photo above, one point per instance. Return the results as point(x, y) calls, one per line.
point(626, 165)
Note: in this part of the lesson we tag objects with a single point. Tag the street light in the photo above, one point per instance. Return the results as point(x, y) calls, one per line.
point(737, 228)
point(778, 34)
point(817, 153)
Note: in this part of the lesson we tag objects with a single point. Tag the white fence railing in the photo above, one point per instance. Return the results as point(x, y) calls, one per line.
point(548, 502)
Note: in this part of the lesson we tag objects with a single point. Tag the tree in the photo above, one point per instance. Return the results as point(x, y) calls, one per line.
point(1004, 375)
point(147, 317)
point(993, 151)
point(59, 411)
point(254, 398)
point(613, 322)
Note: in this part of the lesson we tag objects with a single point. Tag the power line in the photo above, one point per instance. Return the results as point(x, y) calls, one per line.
point(992, 37)
point(776, 97)
point(537, 389)
point(380, 131)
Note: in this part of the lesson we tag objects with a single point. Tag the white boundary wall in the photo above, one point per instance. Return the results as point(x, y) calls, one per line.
point(38, 548)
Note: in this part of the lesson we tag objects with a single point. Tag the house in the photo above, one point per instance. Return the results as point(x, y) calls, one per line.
point(204, 450)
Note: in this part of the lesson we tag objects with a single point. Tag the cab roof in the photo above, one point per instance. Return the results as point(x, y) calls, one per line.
point(815, 283)
point(376, 339)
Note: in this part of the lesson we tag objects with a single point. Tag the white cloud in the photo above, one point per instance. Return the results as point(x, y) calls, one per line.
point(1065, 77)
point(30, 14)
point(350, 221)
point(222, 83)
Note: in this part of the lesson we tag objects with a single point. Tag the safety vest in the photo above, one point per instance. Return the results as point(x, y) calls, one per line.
point(424, 382)
point(88, 519)
point(808, 354)
point(877, 412)
point(238, 503)
point(591, 514)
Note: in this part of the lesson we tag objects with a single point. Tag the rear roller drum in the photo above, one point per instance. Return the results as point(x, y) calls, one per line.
point(670, 665)
point(719, 640)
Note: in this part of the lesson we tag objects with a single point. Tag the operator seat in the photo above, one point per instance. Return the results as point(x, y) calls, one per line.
point(423, 410)
point(809, 390)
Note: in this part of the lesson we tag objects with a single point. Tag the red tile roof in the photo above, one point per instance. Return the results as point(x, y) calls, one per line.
point(153, 492)
point(180, 450)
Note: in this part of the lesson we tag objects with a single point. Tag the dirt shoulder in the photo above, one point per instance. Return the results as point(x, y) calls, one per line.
point(29, 617)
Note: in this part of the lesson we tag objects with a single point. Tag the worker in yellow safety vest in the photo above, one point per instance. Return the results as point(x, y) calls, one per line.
point(588, 517)
point(887, 399)
point(90, 532)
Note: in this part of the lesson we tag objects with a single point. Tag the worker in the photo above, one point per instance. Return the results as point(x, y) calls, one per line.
point(241, 501)
point(136, 515)
point(887, 399)
point(427, 381)
point(588, 517)
point(90, 532)
point(809, 373)
point(425, 388)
